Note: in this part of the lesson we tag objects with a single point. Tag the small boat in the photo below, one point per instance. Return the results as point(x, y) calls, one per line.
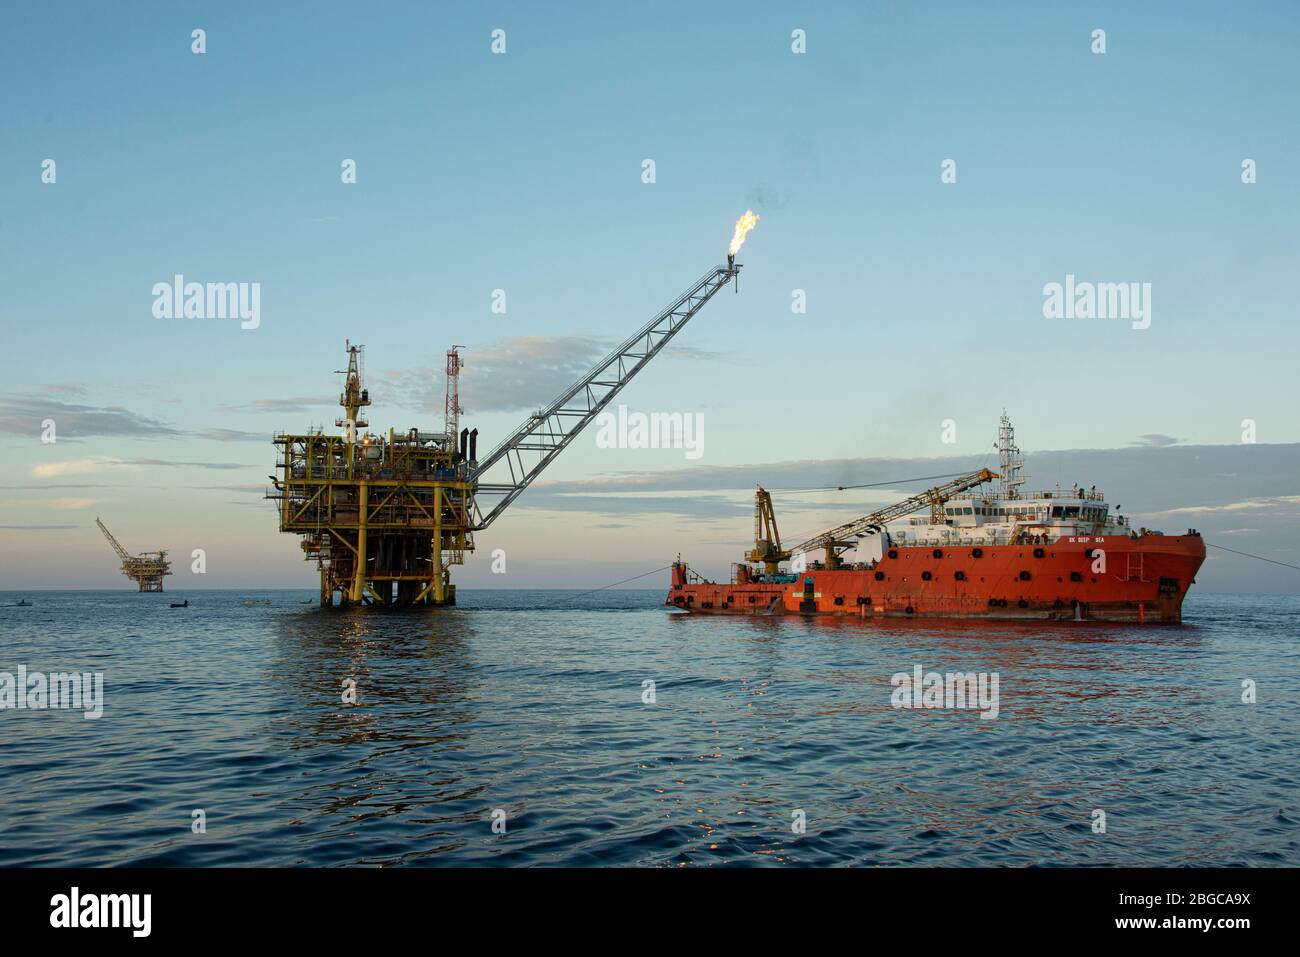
point(250, 602)
point(22, 603)
point(181, 604)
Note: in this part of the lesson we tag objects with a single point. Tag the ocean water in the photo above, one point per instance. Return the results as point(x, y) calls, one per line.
point(531, 704)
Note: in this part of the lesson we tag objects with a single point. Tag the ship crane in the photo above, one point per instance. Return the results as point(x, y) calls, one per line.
point(844, 537)
point(767, 540)
point(513, 465)
point(146, 569)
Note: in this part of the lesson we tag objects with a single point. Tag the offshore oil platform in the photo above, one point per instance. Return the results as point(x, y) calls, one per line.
point(386, 516)
point(146, 569)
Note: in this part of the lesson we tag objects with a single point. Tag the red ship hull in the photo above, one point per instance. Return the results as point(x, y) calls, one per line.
point(1090, 578)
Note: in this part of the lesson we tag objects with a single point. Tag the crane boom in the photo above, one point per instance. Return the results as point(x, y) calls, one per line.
point(844, 536)
point(548, 430)
point(121, 552)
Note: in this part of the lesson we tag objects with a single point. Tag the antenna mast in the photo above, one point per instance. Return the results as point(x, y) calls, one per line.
point(453, 408)
point(1009, 459)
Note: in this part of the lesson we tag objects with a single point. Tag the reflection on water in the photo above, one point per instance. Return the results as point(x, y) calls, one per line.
point(523, 702)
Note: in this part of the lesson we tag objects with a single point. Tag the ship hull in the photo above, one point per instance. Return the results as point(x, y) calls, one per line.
point(1088, 578)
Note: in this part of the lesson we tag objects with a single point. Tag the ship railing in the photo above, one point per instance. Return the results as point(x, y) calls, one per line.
point(1059, 493)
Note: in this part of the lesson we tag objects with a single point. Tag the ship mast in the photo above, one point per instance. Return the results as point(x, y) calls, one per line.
point(1009, 459)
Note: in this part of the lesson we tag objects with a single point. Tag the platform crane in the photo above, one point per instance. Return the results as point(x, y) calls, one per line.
point(844, 537)
point(146, 569)
point(511, 467)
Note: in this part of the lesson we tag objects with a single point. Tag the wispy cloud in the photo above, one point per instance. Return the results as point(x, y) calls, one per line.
point(23, 415)
point(104, 463)
point(168, 463)
point(64, 388)
point(69, 504)
point(302, 403)
point(701, 507)
point(47, 487)
point(1274, 502)
point(72, 467)
point(231, 435)
point(512, 375)
point(1155, 440)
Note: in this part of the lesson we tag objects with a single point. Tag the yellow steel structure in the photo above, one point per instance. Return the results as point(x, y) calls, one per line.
point(146, 569)
point(384, 517)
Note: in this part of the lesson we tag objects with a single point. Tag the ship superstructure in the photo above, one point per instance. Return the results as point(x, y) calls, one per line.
point(1007, 514)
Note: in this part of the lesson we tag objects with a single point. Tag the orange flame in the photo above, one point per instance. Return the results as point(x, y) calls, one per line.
point(743, 226)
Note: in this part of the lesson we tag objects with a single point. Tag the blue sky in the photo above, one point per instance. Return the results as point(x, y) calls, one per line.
point(522, 172)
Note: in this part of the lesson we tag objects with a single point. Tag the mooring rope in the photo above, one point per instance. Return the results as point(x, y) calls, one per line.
point(1273, 561)
point(615, 584)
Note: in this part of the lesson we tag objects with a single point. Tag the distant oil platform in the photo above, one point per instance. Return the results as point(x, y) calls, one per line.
point(146, 569)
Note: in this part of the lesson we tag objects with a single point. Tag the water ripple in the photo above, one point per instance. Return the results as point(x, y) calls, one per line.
point(531, 704)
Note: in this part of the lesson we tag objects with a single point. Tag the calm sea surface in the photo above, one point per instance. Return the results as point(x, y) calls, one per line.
point(531, 703)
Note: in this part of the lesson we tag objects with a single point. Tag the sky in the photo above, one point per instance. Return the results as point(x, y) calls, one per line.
point(524, 172)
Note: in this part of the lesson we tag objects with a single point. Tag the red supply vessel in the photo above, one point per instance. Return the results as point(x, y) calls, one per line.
point(1000, 553)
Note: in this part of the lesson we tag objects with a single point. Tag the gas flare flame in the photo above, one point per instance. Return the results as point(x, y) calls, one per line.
point(743, 226)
